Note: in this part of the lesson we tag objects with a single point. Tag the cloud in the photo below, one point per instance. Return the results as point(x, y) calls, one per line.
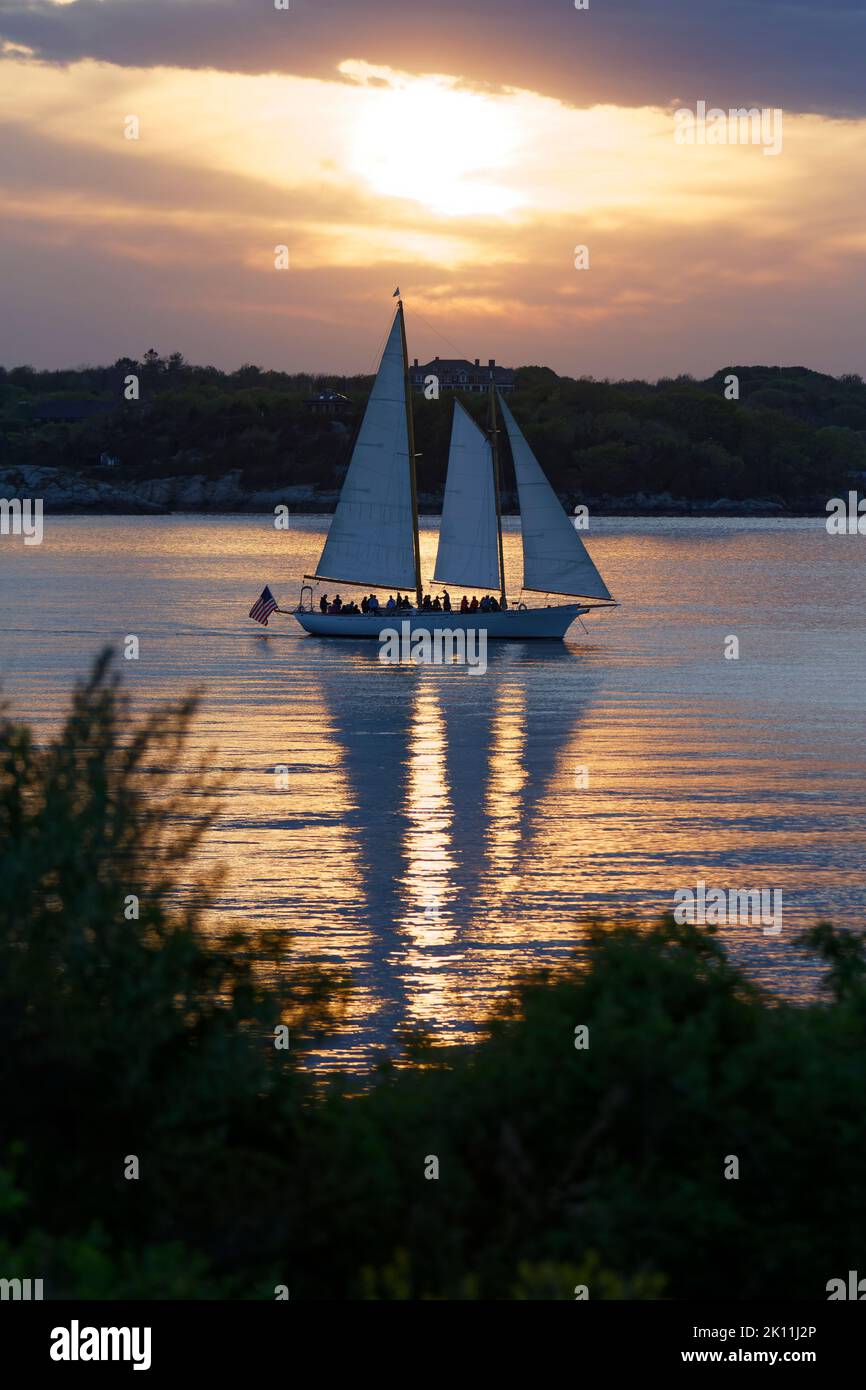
point(796, 54)
point(102, 264)
point(700, 256)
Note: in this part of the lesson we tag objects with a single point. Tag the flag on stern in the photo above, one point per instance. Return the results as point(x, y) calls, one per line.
point(264, 604)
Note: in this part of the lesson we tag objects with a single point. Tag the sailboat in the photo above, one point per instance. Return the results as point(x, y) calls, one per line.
point(373, 537)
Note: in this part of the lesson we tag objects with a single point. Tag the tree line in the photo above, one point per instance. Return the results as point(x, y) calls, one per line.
point(790, 433)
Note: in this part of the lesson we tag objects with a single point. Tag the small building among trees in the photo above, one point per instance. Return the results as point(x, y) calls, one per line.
point(327, 402)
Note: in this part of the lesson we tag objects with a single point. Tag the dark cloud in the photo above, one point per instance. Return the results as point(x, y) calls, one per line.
point(797, 54)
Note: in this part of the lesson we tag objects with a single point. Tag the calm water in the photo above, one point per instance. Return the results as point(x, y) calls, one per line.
point(435, 837)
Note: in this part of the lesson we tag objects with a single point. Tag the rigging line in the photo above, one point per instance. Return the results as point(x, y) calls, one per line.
point(377, 356)
point(433, 329)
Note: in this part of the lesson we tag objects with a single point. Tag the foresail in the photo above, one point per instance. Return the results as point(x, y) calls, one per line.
point(468, 551)
point(555, 560)
point(371, 538)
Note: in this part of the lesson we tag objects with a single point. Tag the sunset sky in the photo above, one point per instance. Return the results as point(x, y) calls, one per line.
point(460, 149)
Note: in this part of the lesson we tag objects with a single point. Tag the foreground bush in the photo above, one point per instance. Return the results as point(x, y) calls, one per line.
point(559, 1167)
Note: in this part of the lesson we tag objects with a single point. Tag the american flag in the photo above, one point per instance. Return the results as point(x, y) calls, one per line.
point(264, 604)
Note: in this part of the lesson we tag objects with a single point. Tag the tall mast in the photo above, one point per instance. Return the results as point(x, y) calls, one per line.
point(410, 431)
point(494, 446)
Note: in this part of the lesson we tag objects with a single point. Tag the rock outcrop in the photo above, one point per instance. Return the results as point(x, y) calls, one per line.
point(62, 491)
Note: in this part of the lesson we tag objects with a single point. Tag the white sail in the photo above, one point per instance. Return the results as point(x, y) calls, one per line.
point(555, 560)
point(371, 538)
point(468, 551)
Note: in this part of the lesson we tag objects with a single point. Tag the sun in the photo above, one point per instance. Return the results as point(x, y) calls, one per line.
point(446, 148)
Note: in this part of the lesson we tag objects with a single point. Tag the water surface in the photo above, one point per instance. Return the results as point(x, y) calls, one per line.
point(441, 831)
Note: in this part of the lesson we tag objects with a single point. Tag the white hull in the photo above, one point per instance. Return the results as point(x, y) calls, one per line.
point(515, 623)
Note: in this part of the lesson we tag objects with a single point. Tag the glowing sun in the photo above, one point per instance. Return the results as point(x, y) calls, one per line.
point(446, 148)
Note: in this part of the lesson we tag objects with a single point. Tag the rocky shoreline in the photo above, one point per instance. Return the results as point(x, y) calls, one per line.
point(74, 494)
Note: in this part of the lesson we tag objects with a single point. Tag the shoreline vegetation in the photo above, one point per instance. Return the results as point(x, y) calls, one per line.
point(195, 439)
point(157, 1143)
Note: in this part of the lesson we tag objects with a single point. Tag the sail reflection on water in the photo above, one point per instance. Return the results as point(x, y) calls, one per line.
point(455, 790)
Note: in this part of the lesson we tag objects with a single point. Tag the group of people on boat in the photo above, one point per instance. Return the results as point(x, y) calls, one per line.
point(369, 604)
point(488, 604)
point(402, 604)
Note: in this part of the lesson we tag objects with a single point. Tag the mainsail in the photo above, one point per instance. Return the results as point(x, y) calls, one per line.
point(555, 560)
point(372, 535)
point(468, 551)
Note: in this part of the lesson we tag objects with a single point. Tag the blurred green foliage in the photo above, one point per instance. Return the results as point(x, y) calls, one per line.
point(558, 1167)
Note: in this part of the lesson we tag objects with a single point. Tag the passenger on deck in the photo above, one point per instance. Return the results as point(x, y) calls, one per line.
point(390, 605)
point(484, 604)
point(323, 603)
point(473, 607)
point(437, 604)
point(493, 605)
point(446, 601)
point(337, 605)
point(426, 606)
point(373, 603)
point(464, 604)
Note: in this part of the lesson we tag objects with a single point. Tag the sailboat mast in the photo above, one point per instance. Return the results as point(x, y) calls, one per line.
point(494, 447)
point(410, 431)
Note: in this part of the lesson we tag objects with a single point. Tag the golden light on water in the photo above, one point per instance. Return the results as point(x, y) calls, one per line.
point(427, 841)
point(432, 838)
point(505, 784)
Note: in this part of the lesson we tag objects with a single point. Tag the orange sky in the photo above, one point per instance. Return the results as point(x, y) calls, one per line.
point(471, 196)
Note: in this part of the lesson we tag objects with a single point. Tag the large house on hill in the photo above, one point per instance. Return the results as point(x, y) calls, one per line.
point(458, 374)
